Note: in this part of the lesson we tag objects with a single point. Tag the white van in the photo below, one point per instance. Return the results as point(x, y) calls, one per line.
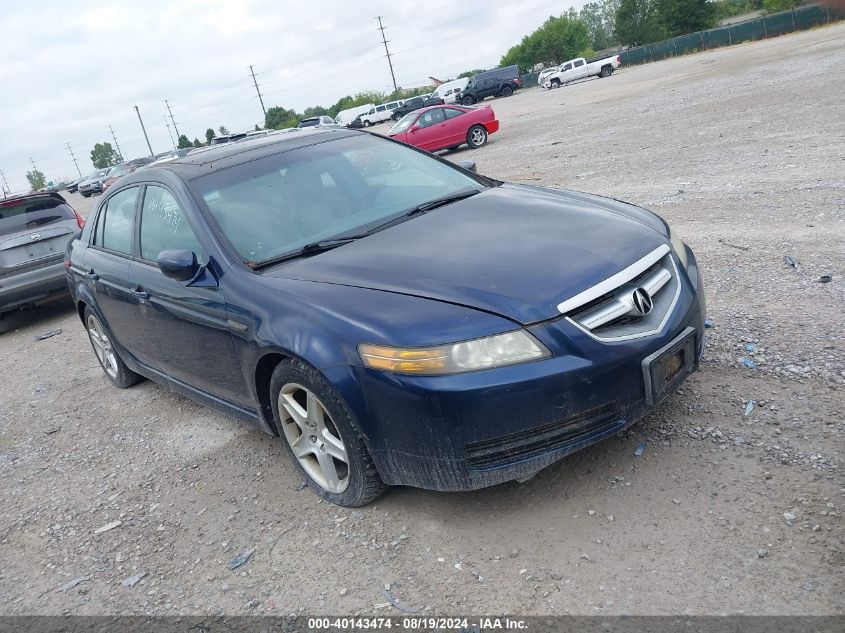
point(380, 113)
point(451, 90)
point(345, 117)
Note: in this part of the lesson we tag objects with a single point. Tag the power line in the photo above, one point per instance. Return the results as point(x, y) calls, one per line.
point(114, 138)
point(79, 171)
point(150, 147)
point(263, 109)
point(387, 50)
point(171, 118)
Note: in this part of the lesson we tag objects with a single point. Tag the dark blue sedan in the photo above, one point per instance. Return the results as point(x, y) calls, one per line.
point(397, 319)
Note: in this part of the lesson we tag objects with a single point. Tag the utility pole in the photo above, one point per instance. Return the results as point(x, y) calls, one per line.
point(114, 138)
point(169, 133)
point(386, 50)
point(33, 164)
point(150, 147)
point(5, 183)
point(78, 171)
point(263, 109)
point(172, 120)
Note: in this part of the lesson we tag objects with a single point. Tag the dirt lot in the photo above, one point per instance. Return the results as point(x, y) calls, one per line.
point(742, 149)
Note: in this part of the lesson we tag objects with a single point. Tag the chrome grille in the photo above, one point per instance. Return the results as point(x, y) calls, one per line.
point(633, 303)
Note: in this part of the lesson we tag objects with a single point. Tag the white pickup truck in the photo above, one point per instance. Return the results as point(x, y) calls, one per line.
point(578, 69)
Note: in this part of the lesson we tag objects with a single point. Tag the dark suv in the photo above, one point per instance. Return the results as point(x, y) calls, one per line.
point(499, 82)
point(34, 231)
point(415, 103)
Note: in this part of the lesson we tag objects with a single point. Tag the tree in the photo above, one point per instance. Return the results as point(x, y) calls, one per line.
point(314, 111)
point(678, 17)
point(223, 130)
point(197, 142)
point(183, 142)
point(36, 179)
point(104, 155)
point(279, 118)
point(600, 18)
point(472, 73)
point(637, 22)
point(773, 6)
point(209, 134)
point(558, 39)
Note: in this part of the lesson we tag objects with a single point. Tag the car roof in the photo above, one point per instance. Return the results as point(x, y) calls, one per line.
point(206, 160)
point(19, 197)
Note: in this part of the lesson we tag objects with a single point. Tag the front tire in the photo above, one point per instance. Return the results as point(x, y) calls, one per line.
point(321, 435)
point(367, 124)
point(115, 369)
point(555, 83)
point(477, 136)
point(467, 100)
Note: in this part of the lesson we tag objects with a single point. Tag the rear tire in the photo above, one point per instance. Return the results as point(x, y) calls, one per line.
point(507, 91)
point(477, 136)
point(606, 71)
point(319, 431)
point(115, 369)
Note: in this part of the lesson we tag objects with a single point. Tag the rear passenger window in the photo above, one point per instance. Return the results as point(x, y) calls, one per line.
point(579, 63)
point(116, 220)
point(164, 226)
point(451, 113)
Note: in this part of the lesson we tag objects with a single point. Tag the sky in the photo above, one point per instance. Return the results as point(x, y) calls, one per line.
point(69, 70)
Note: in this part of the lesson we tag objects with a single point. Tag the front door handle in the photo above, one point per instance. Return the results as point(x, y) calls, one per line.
point(139, 294)
point(92, 275)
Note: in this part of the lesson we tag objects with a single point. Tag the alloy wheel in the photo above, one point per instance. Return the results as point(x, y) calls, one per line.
point(313, 437)
point(478, 136)
point(102, 346)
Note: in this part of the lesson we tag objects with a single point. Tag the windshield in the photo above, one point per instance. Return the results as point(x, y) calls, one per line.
point(403, 124)
point(122, 170)
point(278, 204)
point(32, 213)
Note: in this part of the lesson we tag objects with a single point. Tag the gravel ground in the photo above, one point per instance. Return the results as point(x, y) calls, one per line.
point(135, 501)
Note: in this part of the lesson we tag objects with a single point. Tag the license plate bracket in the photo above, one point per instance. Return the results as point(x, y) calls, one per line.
point(666, 369)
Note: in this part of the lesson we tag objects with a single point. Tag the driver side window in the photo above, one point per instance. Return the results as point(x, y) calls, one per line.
point(164, 226)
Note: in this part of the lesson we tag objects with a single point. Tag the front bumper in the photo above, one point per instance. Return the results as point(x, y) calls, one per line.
point(35, 285)
point(469, 431)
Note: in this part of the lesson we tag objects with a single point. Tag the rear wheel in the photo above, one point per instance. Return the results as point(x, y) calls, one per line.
point(606, 71)
point(85, 195)
point(507, 91)
point(116, 370)
point(477, 136)
point(322, 438)
point(467, 100)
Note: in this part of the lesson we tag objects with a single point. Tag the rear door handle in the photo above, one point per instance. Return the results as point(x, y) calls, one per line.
point(139, 294)
point(91, 275)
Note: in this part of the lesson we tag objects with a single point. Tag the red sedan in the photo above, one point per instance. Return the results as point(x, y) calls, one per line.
point(446, 126)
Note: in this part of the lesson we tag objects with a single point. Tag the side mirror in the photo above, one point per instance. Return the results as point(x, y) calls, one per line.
point(469, 165)
point(178, 265)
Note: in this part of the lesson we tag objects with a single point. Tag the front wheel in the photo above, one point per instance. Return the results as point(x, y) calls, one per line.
point(467, 100)
point(555, 83)
point(367, 123)
point(477, 136)
point(319, 431)
point(116, 370)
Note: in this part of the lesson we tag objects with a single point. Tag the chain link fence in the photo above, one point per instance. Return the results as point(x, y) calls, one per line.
point(772, 25)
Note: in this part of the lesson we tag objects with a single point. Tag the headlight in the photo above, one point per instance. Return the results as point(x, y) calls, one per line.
point(483, 353)
point(678, 245)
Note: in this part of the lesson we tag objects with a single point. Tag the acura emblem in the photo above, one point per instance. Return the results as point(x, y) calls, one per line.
point(35, 236)
point(642, 301)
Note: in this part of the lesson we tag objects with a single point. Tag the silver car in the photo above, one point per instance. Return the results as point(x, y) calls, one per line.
point(34, 231)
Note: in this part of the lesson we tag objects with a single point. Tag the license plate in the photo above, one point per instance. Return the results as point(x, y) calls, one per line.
point(666, 369)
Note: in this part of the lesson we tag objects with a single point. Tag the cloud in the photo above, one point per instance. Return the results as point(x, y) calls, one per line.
point(71, 70)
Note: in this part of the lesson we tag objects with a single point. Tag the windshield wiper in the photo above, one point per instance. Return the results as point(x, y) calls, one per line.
point(442, 201)
point(309, 249)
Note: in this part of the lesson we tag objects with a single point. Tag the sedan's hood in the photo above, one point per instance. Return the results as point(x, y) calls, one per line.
point(513, 250)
